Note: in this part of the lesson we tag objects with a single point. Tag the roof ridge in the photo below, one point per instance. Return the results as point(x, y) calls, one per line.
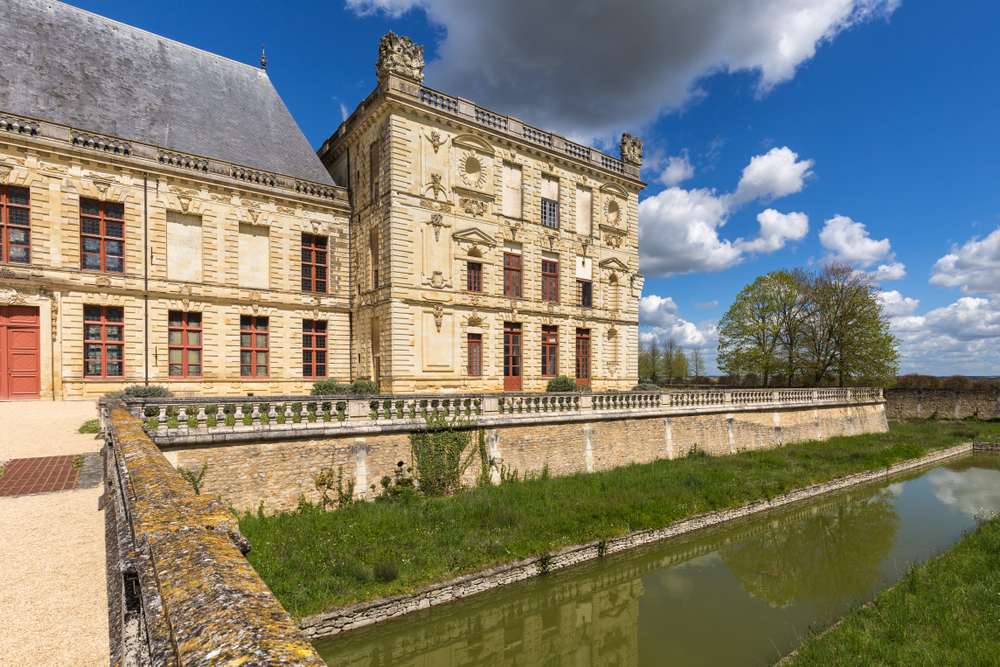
point(154, 35)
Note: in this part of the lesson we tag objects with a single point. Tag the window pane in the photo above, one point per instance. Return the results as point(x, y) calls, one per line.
point(91, 351)
point(114, 248)
point(261, 341)
point(261, 324)
point(19, 255)
point(320, 357)
point(194, 338)
point(307, 356)
point(321, 286)
point(19, 196)
point(306, 257)
point(194, 370)
point(176, 369)
point(115, 369)
point(115, 351)
point(307, 340)
point(246, 371)
point(92, 262)
point(320, 327)
point(114, 333)
point(306, 285)
point(174, 338)
point(92, 313)
point(92, 368)
point(114, 229)
point(194, 356)
point(112, 210)
point(115, 314)
point(246, 340)
point(90, 207)
point(175, 319)
point(307, 325)
point(321, 371)
point(19, 216)
point(261, 358)
point(307, 370)
point(245, 357)
point(176, 356)
point(91, 245)
point(115, 265)
point(244, 322)
point(261, 371)
point(320, 342)
point(92, 332)
point(194, 320)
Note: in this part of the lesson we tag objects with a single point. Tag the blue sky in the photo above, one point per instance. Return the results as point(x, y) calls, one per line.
point(778, 133)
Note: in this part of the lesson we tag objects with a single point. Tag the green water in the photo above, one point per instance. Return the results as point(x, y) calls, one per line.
point(739, 595)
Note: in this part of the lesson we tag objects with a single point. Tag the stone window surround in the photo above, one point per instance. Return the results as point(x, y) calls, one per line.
point(550, 280)
point(106, 319)
point(103, 238)
point(315, 259)
point(314, 350)
point(550, 351)
point(6, 227)
point(475, 350)
point(253, 331)
point(185, 328)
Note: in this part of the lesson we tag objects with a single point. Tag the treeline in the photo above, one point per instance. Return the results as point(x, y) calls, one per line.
point(669, 364)
point(805, 328)
point(918, 381)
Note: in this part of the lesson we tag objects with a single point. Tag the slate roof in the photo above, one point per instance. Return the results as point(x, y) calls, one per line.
point(69, 66)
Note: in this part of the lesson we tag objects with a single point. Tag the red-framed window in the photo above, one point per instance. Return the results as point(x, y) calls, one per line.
point(15, 225)
point(550, 280)
point(512, 275)
point(102, 236)
point(474, 277)
point(253, 346)
point(314, 261)
point(511, 356)
point(313, 349)
point(475, 365)
point(550, 350)
point(103, 342)
point(583, 356)
point(584, 293)
point(183, 344)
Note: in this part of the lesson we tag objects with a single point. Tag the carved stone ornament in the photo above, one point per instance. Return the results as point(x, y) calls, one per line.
point(185, 204)
point(222, 199)
point(473, 207)
point(435, 187)
point(613, 240)
point(631, 150)
point(400, 56)
point(436, 205)
point(612, 333)
point(254, 295)
point(474, 320)
point(4, 172)
point(6, 272)
point(437, 282)
point(438, 317)
point(102, 186)
point(435, 139)
point(11, 297)
point(437, 222)
point(103, 281)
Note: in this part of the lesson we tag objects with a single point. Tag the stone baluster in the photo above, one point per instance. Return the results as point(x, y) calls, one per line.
point(161, 420)
point(289, 415)
point(220, 415)
point(304, 413)
point(272, 415)
point(202, 417)
point(255, 415)
point(182, 418)
point(238, 415)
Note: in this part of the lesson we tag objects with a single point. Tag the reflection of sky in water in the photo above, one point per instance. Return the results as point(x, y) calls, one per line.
point(968, 491)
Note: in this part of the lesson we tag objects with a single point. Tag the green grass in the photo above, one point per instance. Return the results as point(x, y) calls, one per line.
point(91, 426)
point(315, 560)
point(944, 612)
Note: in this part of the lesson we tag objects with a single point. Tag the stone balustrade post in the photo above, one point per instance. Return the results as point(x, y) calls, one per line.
point(586, 402)
point(358, 408)
point(491, 405)
point(727, 397)
point(775, 397)
point(202, 417)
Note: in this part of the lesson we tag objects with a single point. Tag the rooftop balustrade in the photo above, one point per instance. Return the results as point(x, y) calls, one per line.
point(190, 420)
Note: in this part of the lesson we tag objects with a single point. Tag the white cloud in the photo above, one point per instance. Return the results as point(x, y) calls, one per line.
point(679, 169)
point(895, 304)
point(962, 337)
point(678, 228)
point(849, 242)
point(777, 173)
point(560, 65)
point(894, 271)
point(708, 305)
point(974, 267)
point(656, 311)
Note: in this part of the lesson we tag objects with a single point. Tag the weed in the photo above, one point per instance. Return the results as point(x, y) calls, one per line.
point(386, 571)
point(602, 548)
point(194, 480)
point(324, 481)
point(77, 462)
point(545, 563)
point(91, 426)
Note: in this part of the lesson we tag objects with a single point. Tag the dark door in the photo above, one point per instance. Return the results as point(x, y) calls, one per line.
point(511, 356)
point(19, 352)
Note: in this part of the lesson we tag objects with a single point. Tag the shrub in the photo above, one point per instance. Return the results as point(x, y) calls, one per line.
point(956, 382)
point(701, 379)
point(364, 388)
point(386, 571)
point(981, 383)
point(646, 387)
point(330, 388)
point(141, 391)
point(918, 381)
point(561, 383)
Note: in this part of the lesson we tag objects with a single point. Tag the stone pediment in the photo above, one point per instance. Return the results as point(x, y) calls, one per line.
point(614, 189)
point(613, 264)
point(474, 236)
point(473, 142)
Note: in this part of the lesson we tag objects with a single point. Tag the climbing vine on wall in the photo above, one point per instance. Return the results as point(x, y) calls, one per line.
point(439, 456)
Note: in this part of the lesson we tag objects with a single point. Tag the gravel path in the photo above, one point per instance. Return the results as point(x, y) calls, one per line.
point(53, 596)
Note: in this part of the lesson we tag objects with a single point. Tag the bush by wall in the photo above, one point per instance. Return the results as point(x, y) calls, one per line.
point(334, 388)
point(141, 391)
point(562, 383)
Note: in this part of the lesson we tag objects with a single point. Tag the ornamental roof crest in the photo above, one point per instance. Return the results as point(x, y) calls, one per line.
point(400, 56)
point(631, 150)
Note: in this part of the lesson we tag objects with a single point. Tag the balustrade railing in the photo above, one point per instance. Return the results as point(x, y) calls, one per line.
point(240, 415)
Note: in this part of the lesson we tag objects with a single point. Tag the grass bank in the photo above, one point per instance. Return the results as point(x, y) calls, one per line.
point(315, 560)
point(944, 612)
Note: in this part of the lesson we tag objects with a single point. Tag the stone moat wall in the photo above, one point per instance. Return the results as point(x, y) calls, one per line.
point(942, 403)
point(245, 473)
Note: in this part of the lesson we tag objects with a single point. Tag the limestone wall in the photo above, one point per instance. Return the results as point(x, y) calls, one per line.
point(277, 472)
point(943, 403)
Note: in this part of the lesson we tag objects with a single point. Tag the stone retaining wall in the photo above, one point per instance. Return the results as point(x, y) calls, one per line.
point(180, 591)
point(278, 472)
point(943, 403)
point(361, 615)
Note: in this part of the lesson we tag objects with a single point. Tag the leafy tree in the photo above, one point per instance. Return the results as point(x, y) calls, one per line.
point(674, 362)
point(697, 362)
point(750, 331)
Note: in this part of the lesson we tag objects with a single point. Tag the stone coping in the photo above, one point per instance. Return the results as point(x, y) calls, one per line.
point(202, 603)
point(334, 622)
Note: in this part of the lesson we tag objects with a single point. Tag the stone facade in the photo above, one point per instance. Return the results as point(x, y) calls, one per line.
point(247, 471)
point(196, 271)
point(943, 403)
point(446, 196)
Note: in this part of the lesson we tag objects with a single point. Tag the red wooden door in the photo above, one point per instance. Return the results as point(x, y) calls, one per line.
point(511, 356)
point(19, 352)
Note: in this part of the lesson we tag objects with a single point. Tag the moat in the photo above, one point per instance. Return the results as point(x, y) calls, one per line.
point(742, 594)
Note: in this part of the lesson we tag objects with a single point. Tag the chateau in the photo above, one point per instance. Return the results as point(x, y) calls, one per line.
point(164, 219)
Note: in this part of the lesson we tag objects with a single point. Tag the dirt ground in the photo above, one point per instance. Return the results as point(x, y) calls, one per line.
point(53, 596)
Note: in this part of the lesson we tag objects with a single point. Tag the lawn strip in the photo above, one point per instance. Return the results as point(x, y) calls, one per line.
point(944, 612)
point(316, 561)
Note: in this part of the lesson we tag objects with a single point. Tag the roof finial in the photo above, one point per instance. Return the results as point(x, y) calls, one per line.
point(263, 58)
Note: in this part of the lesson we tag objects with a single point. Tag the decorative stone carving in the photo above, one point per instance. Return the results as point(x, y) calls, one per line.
point(435, 139)
point(11, 297)
point(437, 282)
point(400, 56)
point(103, 281)
point(287, 210)
point(435, 187)
point(254, 295)
point(613, 240)
point(472, 170)
point(473, 207)
point(612, 211)
point(102, 186)
point(438, 317)
point(222, 199)
point(6, 272)
point(436, 206)
point(4, 172)
point(631, 150)
point(185, 204)
point(437, 222)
